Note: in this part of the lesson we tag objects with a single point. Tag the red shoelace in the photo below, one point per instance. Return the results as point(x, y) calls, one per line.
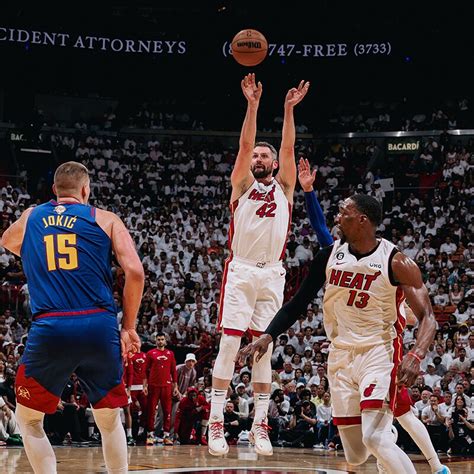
point(216, 428)
point(263, 429)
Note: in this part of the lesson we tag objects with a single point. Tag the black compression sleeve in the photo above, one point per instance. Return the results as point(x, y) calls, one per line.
point(310, 286)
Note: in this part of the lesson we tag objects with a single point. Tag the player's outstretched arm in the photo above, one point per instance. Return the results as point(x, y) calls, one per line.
point(241, 177)
point(12, 238)
point(287, 174)
point(408, 275)
point(290, 312)
point(315, 213)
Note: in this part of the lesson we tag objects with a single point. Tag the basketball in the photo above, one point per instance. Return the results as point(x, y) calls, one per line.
point(249, 47)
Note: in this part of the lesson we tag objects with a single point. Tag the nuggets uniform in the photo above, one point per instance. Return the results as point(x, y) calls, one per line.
point(254, 277)
point(67, 261)
point(364, 318)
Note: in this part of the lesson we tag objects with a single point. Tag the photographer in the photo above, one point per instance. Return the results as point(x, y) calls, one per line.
point(301, 430)
point(460, 430)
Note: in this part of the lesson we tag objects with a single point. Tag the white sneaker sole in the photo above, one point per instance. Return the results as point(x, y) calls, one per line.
point(259, 451)
point(215, 453)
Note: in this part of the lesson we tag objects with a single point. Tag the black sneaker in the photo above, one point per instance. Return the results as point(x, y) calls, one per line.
point(14, 441)
point(79, 442)
point(131, 441)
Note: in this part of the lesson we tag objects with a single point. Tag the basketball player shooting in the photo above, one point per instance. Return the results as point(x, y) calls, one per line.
point(366, 281)
point(254, 277)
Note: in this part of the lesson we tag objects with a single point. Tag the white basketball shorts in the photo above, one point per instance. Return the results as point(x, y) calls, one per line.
point(362, 378)
point(251, 295)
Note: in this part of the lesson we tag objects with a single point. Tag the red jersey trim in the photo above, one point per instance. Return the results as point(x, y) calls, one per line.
point(368, 404)
point(347, 420)
point(233, 332)
point(282, 255)
point(221, 299)
point(397, 348)
point(69, 313)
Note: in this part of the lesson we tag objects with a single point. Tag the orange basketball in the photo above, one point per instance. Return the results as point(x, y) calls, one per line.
point(249, 47)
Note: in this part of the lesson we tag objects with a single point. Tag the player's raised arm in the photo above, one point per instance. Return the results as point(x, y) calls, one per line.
point(241, 177)
point(12, 238)
point(315, 213)
point(287, 174)
point(408, 275)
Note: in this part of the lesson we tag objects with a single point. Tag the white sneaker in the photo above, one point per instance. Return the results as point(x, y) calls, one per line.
point(259, 438)
point(217, 444)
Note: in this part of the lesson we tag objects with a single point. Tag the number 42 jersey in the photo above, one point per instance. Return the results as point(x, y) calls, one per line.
point(260, 223)
point(67, 259)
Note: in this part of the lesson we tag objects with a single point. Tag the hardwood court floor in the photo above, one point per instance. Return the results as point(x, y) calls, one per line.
point(240, 460)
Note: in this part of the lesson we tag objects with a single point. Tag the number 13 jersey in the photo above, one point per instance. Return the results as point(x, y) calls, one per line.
point(260, 223)
point(362, 304)
point(67, 259)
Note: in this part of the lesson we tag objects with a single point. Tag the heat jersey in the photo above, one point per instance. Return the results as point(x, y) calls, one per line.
point(362, 304)
point(260, 223)
point(67, 259)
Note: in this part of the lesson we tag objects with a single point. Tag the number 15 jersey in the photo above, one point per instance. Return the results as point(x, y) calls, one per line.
point(67, 259)
point(260, 223)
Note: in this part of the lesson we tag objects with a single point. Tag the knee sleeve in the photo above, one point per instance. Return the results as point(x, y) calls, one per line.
point(225, 362)
point(262, 370)
point(354, 449)
point(114, 444)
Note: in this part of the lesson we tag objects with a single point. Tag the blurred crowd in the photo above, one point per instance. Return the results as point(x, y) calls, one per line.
point(173, 194)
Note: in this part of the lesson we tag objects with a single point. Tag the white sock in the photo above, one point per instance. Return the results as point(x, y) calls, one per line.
point(90, 430)
point(261, 401)
point(140, 430)
point(166, 434)
point(114, 443)
point(217, 404)
point(377, 436)
point(37, 446)
point(129, 432)
point(417, 430)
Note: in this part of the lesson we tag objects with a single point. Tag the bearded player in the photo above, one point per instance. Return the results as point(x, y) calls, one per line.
point(254, 277)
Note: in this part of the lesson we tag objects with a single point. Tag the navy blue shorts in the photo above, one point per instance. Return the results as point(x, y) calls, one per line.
point(86, 342)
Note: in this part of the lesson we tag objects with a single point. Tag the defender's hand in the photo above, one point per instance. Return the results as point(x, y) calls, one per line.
point(305, 176)
point(259, 347)
point(408, 371)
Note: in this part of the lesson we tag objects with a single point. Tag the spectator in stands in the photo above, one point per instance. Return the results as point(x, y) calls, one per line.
point(232, 427)
point(460, 430)
point(434, 420)
point(324, 420)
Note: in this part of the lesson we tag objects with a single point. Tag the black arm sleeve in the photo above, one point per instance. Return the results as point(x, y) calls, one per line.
point(310, 286)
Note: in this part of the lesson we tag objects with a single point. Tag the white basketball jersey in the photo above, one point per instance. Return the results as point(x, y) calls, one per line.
point(260, 223)
point(361, 305)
